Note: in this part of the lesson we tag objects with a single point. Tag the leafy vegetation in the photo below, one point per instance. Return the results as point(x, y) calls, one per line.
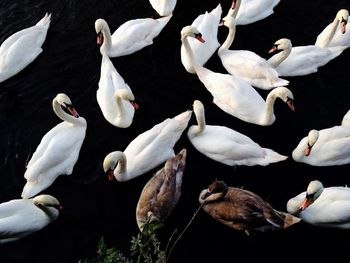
point(145, 248)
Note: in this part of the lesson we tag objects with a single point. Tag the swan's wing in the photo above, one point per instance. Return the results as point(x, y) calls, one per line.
point(21, 52)
point(146, 138)
point(43, 145)
point(251, 11)
point(234, 96)
point(306, 59)
point(247, 64)
point(61, 153)
point(13, 38)
point(322, 37)
point(26, 218)
point(163, 7)
point(226, 145)
point(207, 24)
point(136, 34)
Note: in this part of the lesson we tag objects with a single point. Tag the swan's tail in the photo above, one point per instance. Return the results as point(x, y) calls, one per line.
point(45, 21)
point(280, 82)
point(346, 119)
point(31, 189)
point(289, 220)
point(273, 157)
point(334, 52)
point(217, 12)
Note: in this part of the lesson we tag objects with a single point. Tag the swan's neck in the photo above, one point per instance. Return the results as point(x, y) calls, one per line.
point(330, 34)
point(229, 40)
point(49, 211)
point(120, 172)
point(200, 117)
point(269, 116)
point(62, 114)
point(189, 52)
point(107, 39)
point(279, 58)
point(120, 106)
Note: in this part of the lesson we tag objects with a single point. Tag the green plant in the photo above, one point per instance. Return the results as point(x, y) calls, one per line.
point(145, 248)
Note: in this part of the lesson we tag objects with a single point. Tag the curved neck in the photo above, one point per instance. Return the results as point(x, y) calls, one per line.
point(51, 212)
point(120, 172)
point(200, 117)
point(107, 39)
point(189, 52)
point(229, 39)
point(279, 58)
point(62, 114)
point(269, 108)
point(120, 106)
point(330, 33)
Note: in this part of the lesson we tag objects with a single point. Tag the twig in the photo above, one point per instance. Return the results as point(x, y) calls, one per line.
point(183, 231)
point(170, 239)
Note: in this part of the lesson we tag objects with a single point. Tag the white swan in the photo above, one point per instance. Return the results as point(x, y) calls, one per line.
point(207, 24)
point(147, 150)
point(326, 207)
point(227, 146)
point(22, 217)
point(163, 7)
point(58, 150)
point(251, 11)
point(246, 64)
point(21, 48)
point(130, 37)
point(336, 33)
point(326, 147)
point(299, 61)
point(162, 192)
point(114, 96)
point(233, 95)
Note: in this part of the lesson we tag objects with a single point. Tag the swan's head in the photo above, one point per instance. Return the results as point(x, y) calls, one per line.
point(64, 101)
point(126, 94)
point(228, 21)
point(191, 31)
point(47, 201)
point(343, 16)
point(312, 138)
point(198, 108)
point(286, 95)
point(313, 191)
point(281, 44)
point(215, 191)
point(111, 161)
point(100, 26)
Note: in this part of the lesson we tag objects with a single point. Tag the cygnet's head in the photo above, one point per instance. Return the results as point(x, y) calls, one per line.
point(215, 191)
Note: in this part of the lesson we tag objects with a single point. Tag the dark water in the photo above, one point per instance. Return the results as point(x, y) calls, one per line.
point(93, 206)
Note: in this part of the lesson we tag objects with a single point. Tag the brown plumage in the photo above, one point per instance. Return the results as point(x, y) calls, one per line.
point(162, 192)
point(242, 210)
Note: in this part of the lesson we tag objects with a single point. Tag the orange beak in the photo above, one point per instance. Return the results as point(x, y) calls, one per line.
point(273, 49)
point(110, 175)
point(73, 112)
point(307, 150)
point(307, 201)
point(290, 105)
point(200, 39)
point(343, 26)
